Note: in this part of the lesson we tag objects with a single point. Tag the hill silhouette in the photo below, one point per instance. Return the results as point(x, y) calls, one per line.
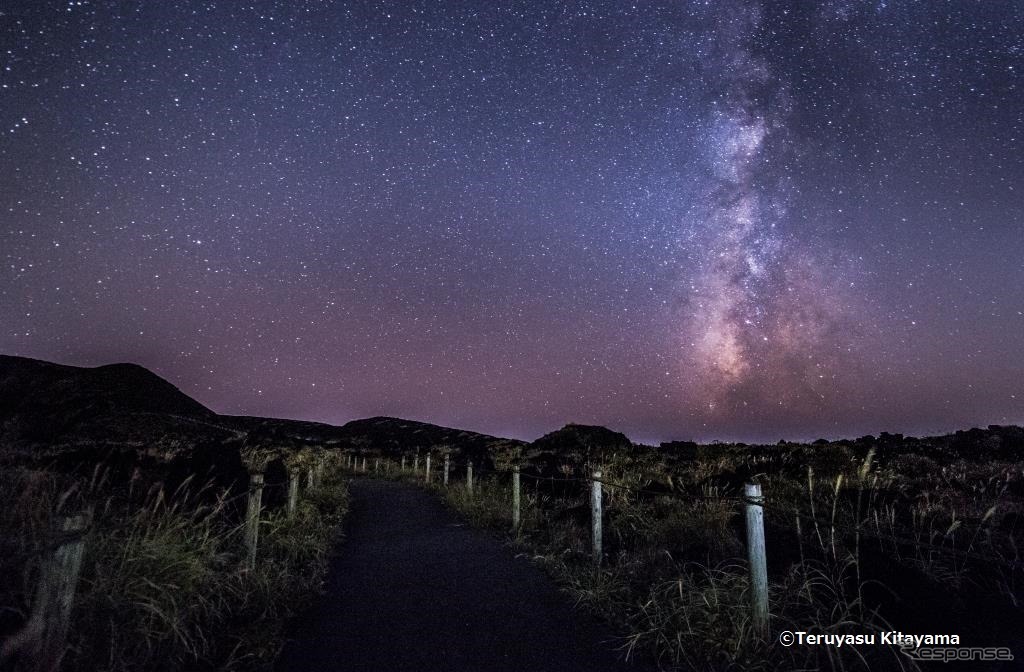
point(67, 415)
point(84, 415)
point(45, 402)
point(392, 436)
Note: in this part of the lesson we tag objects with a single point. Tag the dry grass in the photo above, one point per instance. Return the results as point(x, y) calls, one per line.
point(163, 583)
point(676, 582)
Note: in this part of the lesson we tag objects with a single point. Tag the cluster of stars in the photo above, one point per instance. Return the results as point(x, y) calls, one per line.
point(735, 219)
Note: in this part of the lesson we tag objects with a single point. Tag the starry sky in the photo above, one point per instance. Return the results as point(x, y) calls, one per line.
point(682, 220)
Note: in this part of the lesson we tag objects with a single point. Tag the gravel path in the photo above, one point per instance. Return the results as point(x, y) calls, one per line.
point(413, 588)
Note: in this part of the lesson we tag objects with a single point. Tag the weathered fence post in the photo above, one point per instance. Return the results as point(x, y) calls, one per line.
point(756, 555)
point(426, 476)
point(403, 464)
point(252, 516)
point(515, 499)
point(293, 491)
point(416, 465)
point(469, 477)
point(51, 611)
point(376, 465)
point(446, 471)
point(595, 518)
point(320, 463)
point(364, 464)
point(311, 478)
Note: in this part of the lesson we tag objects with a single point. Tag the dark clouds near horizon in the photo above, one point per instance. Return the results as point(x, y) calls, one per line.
point(677, 219)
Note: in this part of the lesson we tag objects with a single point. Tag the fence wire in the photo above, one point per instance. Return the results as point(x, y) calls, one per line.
point(768, 503)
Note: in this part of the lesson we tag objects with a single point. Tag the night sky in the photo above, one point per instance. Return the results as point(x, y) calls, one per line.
point(680, 220)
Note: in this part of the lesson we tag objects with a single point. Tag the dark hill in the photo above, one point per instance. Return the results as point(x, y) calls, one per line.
point(120, 418)
point(44, 402)
point(379, 435)
point(576, 445)
point(284, 431)
point(126, 414)
point(586, 440)
point(392, 436)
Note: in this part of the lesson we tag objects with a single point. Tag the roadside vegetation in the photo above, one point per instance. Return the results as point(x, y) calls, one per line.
point(164, 583)
point(860, 540)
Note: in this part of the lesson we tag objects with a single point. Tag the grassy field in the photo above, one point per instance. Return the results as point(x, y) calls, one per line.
point(859, 541)
point(163, 584)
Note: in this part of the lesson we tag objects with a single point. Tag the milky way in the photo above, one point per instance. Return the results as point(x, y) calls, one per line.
point(761, 321)
point(682, 220)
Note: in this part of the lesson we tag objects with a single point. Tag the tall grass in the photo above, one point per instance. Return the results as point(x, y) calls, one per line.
point(676, 582)
point(163, 583)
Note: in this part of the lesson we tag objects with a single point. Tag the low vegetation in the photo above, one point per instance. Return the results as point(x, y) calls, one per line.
point(163, 584)
point(923, 536)
point(861, 539)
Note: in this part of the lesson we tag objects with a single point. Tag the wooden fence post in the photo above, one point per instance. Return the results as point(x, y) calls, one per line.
point(364, 464)
point(446, 471)
point(403, 464)
point(756, 556)
point(252, 516)
point(595, 518)
point(469, 477)
point(46, 632)
point(416, 465)
point(515, 499)
point(426, 476)
point(311, 478)
point(376, 465)
point(293, 491)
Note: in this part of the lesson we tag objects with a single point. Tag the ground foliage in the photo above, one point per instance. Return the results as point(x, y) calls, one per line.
point(883, 533)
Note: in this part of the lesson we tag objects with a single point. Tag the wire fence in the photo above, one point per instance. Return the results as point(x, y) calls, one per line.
point(769, 504)
point(595, 485)
point(62, 547)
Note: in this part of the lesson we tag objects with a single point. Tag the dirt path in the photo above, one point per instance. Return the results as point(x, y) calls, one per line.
point(413, 588)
